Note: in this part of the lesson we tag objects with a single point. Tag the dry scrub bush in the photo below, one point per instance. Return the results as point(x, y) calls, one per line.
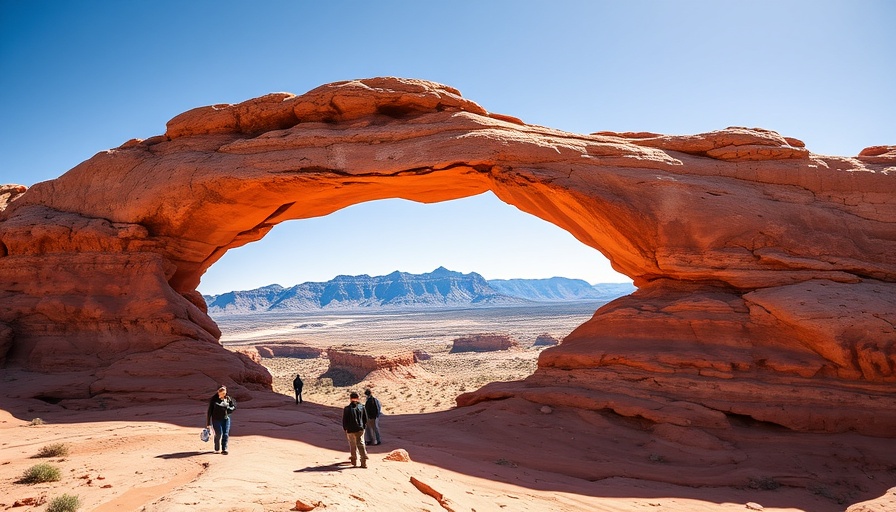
point(52, 450)
point(64, 503)
point(40, 473)
point(36, 421)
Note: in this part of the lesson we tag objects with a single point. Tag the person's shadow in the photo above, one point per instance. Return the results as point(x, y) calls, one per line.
point(336, 466)
point(180, 455)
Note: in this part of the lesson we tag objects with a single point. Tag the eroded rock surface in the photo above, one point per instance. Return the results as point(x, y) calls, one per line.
point(289, 350)
point(349, 366)
point(545, 340)
point(488, 342)
point(766, 273)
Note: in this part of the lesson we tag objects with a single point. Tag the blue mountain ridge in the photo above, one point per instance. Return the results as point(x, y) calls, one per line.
point(441, 288)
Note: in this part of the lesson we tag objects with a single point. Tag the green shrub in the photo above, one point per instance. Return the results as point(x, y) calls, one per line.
point(39, 473)
point(53, 450)
point(37, 421)
point(64, 503)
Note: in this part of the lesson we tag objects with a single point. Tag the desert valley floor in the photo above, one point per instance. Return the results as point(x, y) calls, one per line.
point(509, 455)
point(432, 384)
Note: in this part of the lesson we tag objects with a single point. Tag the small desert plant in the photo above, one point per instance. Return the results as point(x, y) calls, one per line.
point(64, 503)
point(825, 492)
point(37, 421)
point(655, 457)
point(765, 483)
point(40, 473)
point(53, 450)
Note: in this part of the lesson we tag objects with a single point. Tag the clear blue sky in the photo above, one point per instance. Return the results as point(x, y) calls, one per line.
point(80, 77)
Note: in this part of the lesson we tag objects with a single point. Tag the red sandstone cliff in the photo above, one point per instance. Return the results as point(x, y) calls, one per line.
point(766, 273)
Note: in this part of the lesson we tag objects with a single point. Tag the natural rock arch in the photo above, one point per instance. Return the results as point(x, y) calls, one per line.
point(767, 273)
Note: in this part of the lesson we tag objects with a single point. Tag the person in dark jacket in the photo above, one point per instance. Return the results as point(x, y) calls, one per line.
point(297, 387)
point(354, 418)
point(372, 406)
point(220, 405)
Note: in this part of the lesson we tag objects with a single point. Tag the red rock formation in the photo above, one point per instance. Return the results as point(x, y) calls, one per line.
point(289, 350)
point(545, 340)
point(8, 193)
point(369, 362)
point(885, 502)
point(398, 455)
point(767, 273)
point(250, 352)
point(419, 354)
point(359, 364)
point(483, 343)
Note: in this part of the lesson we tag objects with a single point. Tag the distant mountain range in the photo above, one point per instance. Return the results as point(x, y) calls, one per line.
point(441, 288)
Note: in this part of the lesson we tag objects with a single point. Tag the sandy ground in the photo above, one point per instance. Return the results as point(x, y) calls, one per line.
point(136, 459)
point(509, 455)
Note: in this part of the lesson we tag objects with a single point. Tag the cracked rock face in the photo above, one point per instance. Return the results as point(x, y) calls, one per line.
point(766, 273)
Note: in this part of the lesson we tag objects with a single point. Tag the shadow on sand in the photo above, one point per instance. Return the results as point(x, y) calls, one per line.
point(182, 455)
point(325, 468)
point(590, 453)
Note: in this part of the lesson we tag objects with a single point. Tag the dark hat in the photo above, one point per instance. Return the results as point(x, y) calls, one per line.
point(367, 392)
point(353, 395)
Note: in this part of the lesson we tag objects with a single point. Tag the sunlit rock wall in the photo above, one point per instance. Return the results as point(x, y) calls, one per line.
point(766, 273)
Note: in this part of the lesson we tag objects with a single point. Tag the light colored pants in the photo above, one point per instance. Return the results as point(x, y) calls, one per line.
point(372, 432)
point(356, 445)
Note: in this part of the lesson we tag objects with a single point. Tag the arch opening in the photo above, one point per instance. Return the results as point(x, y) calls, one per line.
point(401, 345)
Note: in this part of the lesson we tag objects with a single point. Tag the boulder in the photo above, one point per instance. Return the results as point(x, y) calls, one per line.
point(398, 455)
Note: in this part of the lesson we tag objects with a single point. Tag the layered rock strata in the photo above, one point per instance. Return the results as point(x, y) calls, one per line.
point(359, 364)
point(289, 350)
point(489, 342)
point(766, 273)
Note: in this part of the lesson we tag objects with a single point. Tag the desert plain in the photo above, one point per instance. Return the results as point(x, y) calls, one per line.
point(502, 455)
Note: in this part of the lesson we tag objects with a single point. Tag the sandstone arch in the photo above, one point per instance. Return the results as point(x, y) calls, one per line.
point(767, 273)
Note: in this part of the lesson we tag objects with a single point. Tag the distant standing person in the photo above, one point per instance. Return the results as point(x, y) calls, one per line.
point(297, 385)
point(220, 406)
point(354, 418)
point(372, 406)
